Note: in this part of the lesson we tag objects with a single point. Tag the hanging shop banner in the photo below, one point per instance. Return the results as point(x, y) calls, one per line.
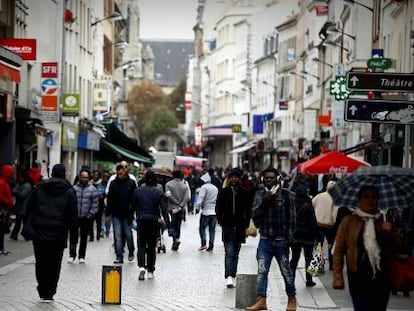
point(198, 134)
point(49, 91)
point(26, 48)
point(70, 134)
point(70, 104)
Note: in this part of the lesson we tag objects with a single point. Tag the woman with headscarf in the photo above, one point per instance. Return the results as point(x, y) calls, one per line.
point(368, 242)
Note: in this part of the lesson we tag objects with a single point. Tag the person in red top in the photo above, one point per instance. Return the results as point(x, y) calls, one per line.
point(34, 174)
point(6, 203)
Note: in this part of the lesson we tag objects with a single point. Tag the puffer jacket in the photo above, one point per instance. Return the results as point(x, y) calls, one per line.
point(88, 199)
point(6, 195)
point(51, 211)
point(348, 243)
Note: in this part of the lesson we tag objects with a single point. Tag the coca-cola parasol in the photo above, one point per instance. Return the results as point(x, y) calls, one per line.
point(332, 162)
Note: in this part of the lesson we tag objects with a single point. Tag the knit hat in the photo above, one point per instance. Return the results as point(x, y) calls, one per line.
point(206, 177)
point(59, 171)
point(235, 172)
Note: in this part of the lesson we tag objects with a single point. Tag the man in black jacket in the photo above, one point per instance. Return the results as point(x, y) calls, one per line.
point(233, 210)
point(119, 207)
point(52, 211)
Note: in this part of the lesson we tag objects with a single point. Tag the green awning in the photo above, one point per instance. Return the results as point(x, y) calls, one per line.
point(127, 154)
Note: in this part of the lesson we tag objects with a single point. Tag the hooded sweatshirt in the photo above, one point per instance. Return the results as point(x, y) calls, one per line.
point(207, 196)
point(6, 196)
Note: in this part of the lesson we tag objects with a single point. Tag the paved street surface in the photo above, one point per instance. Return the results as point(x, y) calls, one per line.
point(184, 280)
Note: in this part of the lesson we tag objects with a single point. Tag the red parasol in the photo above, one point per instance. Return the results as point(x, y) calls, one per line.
point(332, 162)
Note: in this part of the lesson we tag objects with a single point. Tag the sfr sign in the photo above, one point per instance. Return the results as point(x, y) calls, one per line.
point(50, 70)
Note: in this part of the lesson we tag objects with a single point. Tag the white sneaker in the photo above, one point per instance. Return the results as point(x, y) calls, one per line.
point(230, 282)
point(150, 275)
point(141, 275)
point(71, 260)
point(81, 260)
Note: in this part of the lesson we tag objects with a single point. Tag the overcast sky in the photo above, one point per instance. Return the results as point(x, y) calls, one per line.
point(167, 19)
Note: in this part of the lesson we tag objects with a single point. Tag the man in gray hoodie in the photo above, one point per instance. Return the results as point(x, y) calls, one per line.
point(206, 202)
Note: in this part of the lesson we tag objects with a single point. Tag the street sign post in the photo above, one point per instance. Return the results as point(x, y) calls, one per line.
point(392, 82)
point(379, 111)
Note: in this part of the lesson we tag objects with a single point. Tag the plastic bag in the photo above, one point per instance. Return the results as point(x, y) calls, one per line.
point(317, 264)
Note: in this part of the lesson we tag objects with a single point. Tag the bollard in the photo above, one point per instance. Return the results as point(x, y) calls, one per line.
point(111, 284)
point(246, 290)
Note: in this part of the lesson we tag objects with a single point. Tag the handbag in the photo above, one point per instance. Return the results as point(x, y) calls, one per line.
point(401, 274)
point(251, 230)
point(317, 265)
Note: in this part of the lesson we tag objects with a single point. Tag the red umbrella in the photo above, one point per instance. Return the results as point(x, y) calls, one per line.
point(332, 162)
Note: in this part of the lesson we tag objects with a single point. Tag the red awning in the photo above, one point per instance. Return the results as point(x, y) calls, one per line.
point(9, 73)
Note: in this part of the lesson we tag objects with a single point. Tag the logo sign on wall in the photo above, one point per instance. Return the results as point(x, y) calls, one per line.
point(70, 104)
point(198, 134)
point(26, 48)
point(49, 90)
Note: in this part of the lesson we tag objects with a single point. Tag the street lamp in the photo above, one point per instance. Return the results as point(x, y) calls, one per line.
point(334, 30)
point(116, 16)
point(297, 74)
point(359, 3)
point(330, 42)
point(315, 59)
point(304, 72)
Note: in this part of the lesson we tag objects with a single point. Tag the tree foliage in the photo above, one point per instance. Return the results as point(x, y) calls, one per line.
point(151, 112)
point(177, 101)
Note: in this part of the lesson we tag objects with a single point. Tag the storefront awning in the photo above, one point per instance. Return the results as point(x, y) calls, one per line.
point(124, 153)
point(242, 148)
point(9, 72)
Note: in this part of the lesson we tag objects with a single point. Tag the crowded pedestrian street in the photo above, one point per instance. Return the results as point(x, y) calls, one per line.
point(187, 279)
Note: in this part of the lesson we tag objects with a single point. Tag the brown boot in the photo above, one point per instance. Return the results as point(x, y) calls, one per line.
point(292, 305)
point(259, 305)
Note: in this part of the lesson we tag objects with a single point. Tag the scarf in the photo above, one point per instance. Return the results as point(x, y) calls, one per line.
point(370, 240)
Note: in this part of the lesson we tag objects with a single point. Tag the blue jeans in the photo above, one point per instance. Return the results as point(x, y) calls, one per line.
point(211, 222)
point(176, 220)
point(231, 257)
point(122, 230)
point(266, 250)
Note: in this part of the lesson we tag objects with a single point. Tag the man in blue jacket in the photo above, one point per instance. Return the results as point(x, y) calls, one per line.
point(51, 212)
point(151, 212)
point(88, 200)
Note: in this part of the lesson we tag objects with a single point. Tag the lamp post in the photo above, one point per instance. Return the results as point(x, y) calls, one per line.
point(306, 73)
point(315, 59)
point(116, 16)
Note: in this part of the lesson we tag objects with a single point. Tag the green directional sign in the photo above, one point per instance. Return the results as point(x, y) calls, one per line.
point(379, 63)
point(337, 88)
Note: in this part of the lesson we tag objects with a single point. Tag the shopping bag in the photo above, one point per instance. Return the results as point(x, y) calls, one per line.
point(402, 274)
point(317, 264)
point(251, 230)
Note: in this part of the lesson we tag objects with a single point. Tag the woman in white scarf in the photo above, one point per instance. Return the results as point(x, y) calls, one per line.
point(368, 242)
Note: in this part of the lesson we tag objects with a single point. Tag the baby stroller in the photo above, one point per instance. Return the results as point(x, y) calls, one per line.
point(160, 238)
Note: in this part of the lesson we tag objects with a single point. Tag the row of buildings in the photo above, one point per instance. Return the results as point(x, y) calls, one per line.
point(66, 68)
point(267, 80)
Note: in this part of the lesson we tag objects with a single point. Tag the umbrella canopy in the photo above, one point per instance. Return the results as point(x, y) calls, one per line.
point(332, 162)
point(395, 186)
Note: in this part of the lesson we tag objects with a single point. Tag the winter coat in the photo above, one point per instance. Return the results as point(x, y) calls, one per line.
point(275, 215)
point(88, 200)
point(22, 193)
point(149, 203)
point(119, 199)
point(51, 211)
point(306, 229)
point(177, 193)
point(6, 195)
point(233, 210)
point(349, 243)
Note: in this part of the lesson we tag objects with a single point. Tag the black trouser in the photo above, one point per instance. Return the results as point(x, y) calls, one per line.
point(147, 241)
point(17, 225)
point(296, 250)
point(82, 229)
point(48, 257)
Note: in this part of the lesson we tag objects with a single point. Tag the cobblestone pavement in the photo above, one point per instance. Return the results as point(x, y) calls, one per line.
point(184, 280)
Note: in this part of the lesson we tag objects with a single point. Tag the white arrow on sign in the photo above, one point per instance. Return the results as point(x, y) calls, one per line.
point(353, 109)
point(354, 80)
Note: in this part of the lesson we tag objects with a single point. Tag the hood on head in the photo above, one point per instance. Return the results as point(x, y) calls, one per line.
point(7, 171)
point(206, 177)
